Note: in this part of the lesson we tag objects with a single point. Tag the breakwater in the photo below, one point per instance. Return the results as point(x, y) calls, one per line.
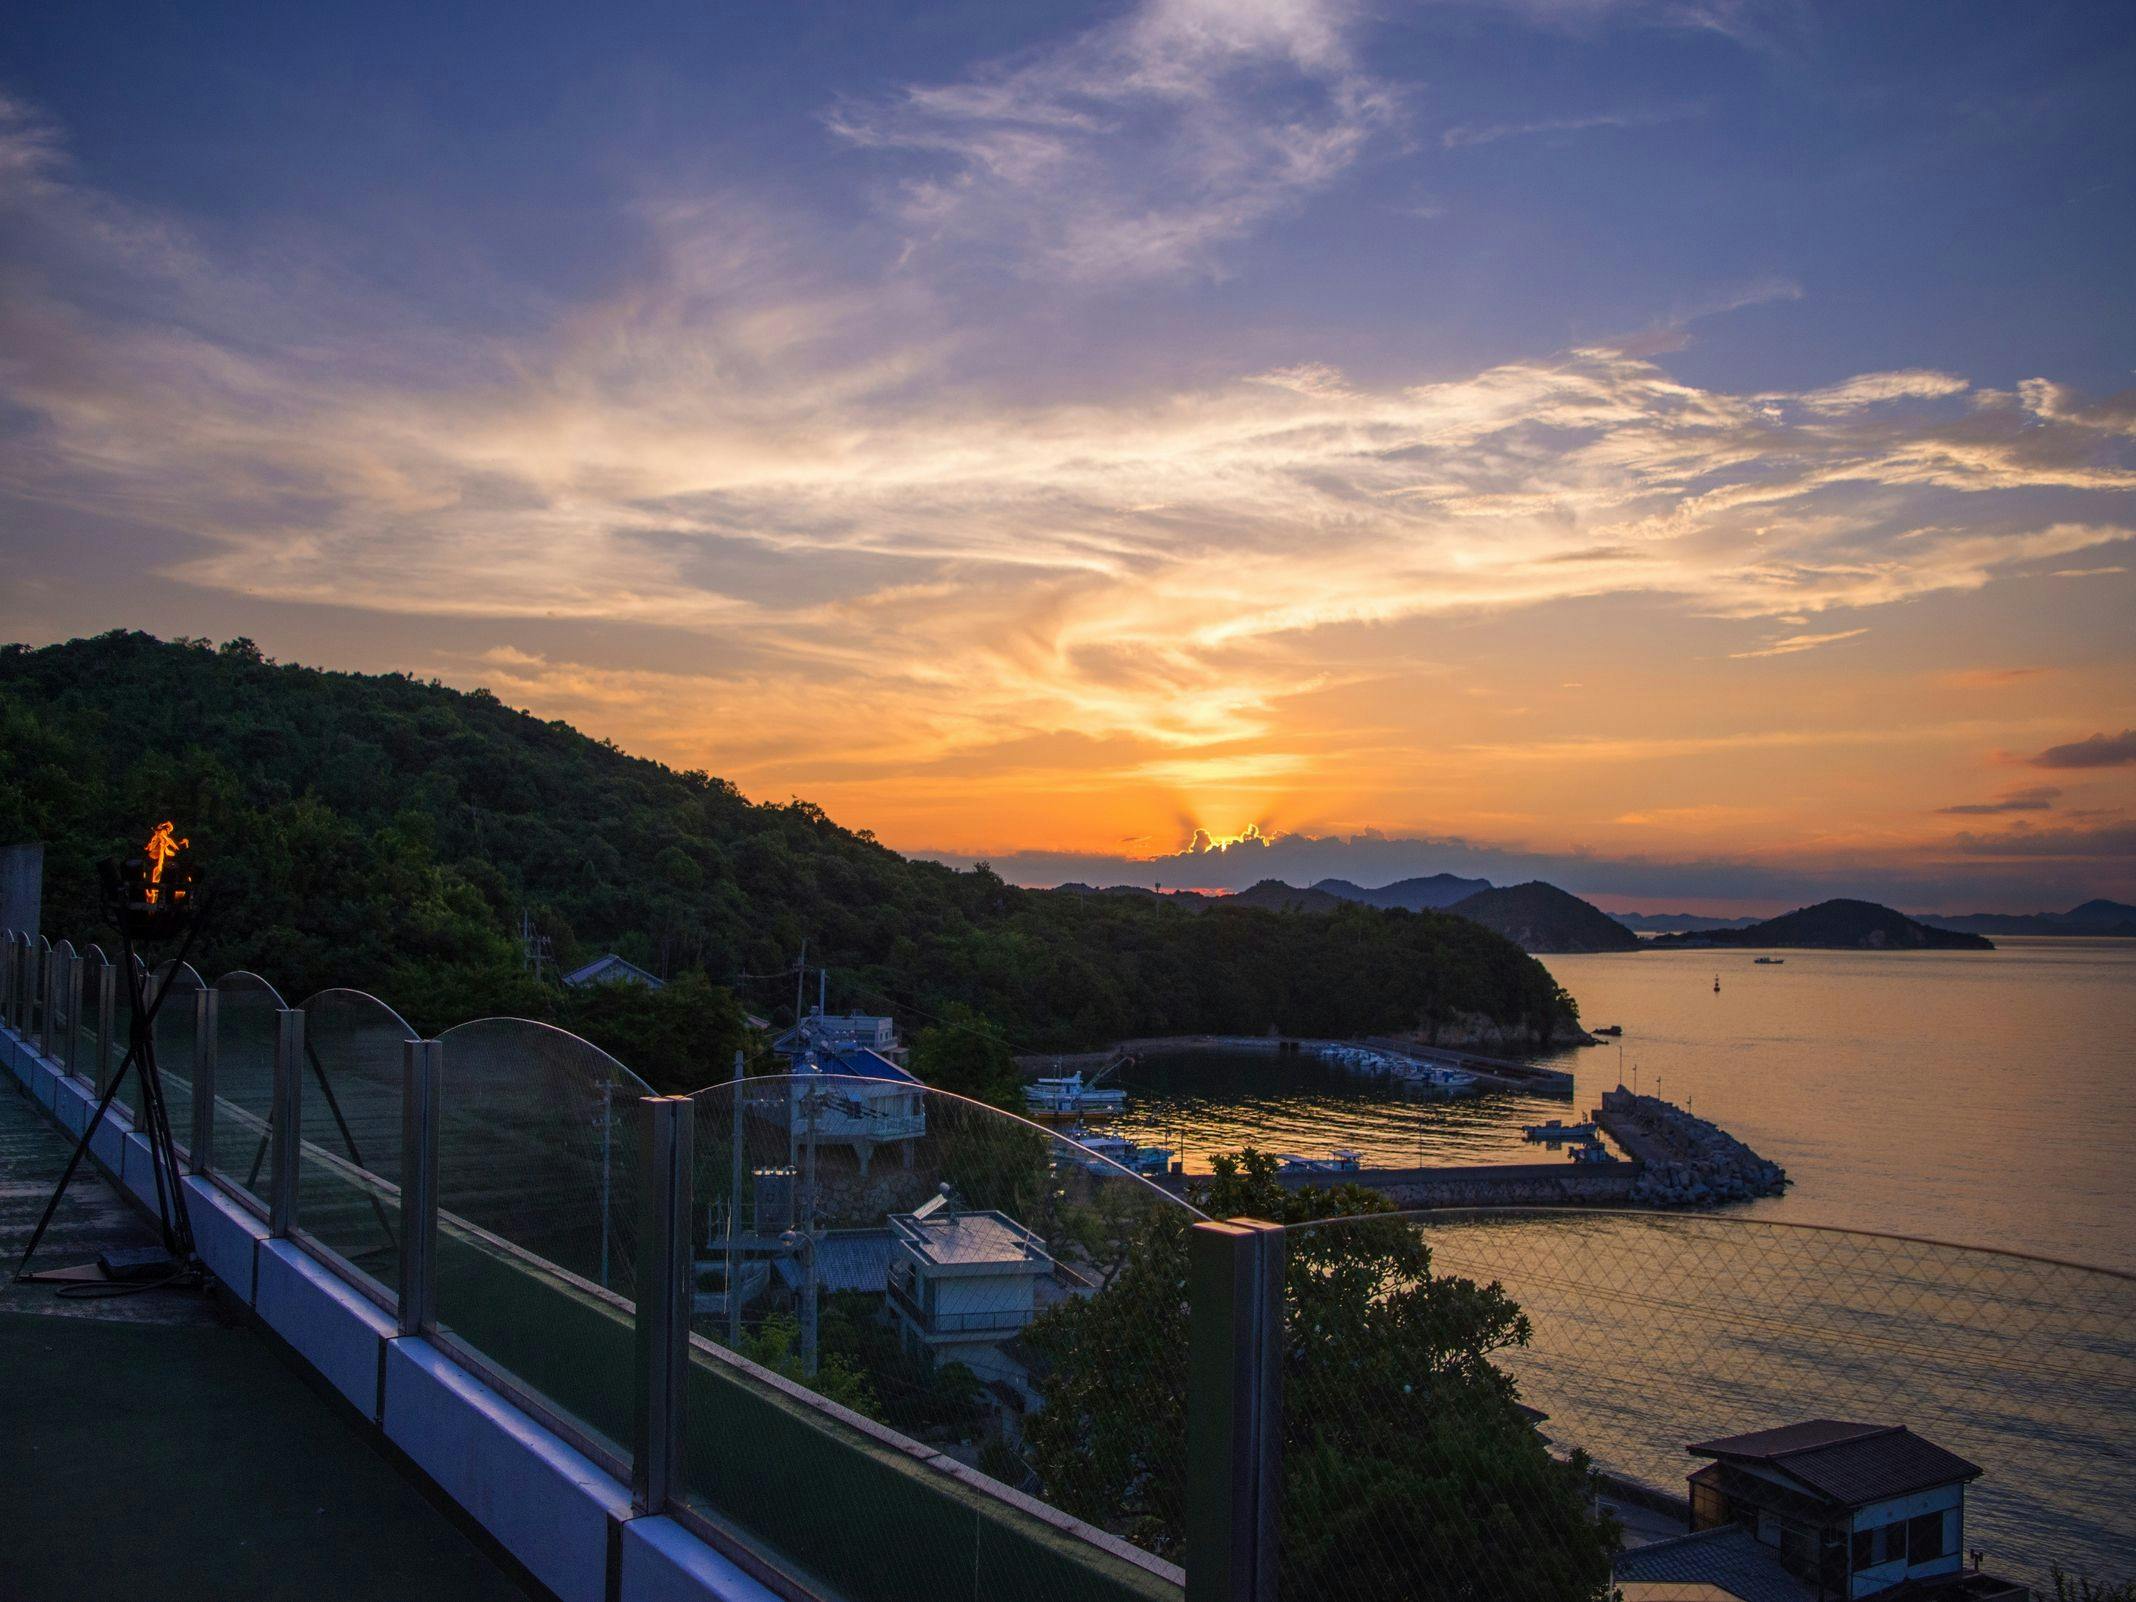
point(1685, 1161)
point(1477, 1185)
point(1490, 1073)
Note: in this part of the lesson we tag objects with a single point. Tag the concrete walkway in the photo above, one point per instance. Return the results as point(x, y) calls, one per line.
point(157, 1449)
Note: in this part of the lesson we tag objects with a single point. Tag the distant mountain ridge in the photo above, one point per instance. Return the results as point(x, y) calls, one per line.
point(2095, 917)
point(1837, 925)
point(1541, 917)
point(1677, 922)
point(1429, 893)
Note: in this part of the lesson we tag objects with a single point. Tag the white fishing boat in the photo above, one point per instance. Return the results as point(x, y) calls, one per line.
point(1069, 1097)
point(1343, 1160)
point(1592, 1151)
point(1556, 1133)
point(1101, 1152)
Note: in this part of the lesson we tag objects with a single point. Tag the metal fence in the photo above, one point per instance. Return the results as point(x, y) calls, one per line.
point(881, 1342)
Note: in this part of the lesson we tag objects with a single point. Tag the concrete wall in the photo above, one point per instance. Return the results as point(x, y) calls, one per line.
point(21, 887)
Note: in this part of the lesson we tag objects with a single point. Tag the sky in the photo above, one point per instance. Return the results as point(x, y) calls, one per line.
point(1685, 449)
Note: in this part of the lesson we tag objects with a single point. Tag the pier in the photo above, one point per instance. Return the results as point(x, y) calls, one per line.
point(1559, 1184)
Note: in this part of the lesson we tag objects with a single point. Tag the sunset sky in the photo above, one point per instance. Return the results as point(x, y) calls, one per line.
point(1682, 448)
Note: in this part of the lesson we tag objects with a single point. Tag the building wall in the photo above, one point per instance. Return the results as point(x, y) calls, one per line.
point(1949, 1500)
point(983, 1293)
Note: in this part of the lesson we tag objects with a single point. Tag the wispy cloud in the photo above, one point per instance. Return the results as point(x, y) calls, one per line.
point(1799, 642)
point(2098, 751)
point(1467, 134)
point(2038, 798)
point(1137, 149)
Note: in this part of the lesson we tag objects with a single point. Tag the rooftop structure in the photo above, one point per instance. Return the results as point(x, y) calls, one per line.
point(961, 1283)
point(611, 969)
point(852, 1096)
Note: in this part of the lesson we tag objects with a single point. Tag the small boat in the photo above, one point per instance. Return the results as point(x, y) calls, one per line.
point(1592, 1151)
point(1070, 1098)
point(1556, 1133)
point(1342, 1161)
point(1101, 1153)
point(1769, 962)
point(1608, 1029)
point(1716, 984)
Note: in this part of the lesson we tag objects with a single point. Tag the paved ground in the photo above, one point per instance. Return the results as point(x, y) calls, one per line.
point(156, 1450)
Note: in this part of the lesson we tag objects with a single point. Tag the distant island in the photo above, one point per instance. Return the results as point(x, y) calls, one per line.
point(1434, 891)
point(2095, 918)
point(1836, 925)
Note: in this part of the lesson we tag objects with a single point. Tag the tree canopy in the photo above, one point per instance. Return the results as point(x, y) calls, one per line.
point(1409, 1469)
point(387, 833)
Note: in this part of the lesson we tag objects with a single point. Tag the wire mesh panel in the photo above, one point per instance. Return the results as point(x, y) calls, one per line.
point(1634, 1337)
point(245, 1009)
point(968, 1289)
point(538, 1200)
point(349, 1110)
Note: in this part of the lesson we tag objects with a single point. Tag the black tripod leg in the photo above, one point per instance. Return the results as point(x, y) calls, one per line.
point(81, 1150)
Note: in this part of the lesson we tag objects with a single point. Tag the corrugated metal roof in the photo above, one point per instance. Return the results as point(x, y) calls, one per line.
point(1731, 1559)
point(1849, 1462)
point(854, 1062)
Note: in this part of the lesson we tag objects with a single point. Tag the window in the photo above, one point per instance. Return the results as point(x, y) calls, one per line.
point(1864, 1549)
point(1892, 1539)
point(1925, 1537)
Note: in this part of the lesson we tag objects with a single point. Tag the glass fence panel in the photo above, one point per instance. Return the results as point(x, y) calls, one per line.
point(1550, 1403)
point(66, 1008)
point(174, 1048)
point(245, 1008)
point(538, 1200)
point(349, 1112)
point(97, 1054)
point(969, 1289)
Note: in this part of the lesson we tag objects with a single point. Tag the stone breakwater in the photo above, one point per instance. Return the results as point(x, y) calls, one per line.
point(1684, 1161)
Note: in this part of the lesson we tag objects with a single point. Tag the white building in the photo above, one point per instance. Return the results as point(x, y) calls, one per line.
point(962, 1283)
point(850, 1096)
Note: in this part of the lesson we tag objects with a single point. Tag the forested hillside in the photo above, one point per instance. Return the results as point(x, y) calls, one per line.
point(387, 833)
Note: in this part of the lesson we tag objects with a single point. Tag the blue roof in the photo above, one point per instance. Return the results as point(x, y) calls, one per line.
point(853, 1062)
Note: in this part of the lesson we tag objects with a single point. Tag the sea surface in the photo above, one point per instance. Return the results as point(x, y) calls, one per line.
point(1984, 1099)
point(1981, 1097)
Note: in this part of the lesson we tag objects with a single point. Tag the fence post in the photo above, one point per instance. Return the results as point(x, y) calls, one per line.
point(422, 1065)
point(285, 1127)
point(7, 977)
point(71, 1009)
point(666, 1150)
point(107, 1021)
point(1234, 1409)
point(44, 995)
point(200, 1145)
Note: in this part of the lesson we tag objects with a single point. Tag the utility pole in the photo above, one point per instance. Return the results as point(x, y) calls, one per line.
point(800, 980)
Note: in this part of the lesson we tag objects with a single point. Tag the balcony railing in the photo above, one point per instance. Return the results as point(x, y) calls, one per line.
point(1331, 1408)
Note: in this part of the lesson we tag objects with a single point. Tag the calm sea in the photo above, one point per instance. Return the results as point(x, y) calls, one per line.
point(1983, 1098)
point(1987, 1098)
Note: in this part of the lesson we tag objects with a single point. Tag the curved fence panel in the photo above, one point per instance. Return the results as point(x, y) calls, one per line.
point(537, 1208)
point(1550, 1404)
point(349, 1112)
point(886, 1277)
point(245, 1009)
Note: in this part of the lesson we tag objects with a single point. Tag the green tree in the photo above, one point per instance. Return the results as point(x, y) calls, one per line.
point(964, 1053)
point(1409, 1469)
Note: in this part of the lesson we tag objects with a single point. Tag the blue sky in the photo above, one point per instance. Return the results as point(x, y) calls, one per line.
point(1055, 430)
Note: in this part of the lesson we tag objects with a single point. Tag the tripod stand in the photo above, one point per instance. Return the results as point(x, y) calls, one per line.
point(180, 1262)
